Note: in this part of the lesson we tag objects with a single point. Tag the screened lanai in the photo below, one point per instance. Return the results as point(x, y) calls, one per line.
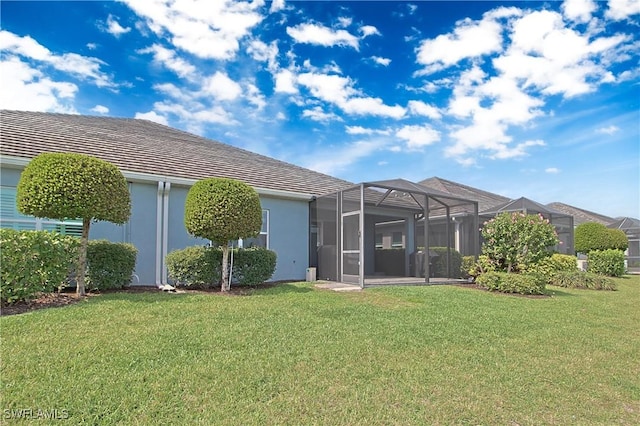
point(391, 232)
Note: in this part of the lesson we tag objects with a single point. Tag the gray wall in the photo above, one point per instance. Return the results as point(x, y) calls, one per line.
point(288, 236)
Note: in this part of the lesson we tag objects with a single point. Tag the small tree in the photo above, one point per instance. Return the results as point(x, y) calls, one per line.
point(66, 185)
point(222, 210)
point(514, 241)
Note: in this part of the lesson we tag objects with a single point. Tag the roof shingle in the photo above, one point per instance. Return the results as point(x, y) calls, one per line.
point(146, 147)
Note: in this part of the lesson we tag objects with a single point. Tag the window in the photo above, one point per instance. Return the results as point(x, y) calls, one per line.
point(261, 240)
point(11, 218)
point(396, 240)
point(379, 244)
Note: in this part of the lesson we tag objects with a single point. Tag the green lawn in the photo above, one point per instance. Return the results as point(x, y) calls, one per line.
point(295, 355)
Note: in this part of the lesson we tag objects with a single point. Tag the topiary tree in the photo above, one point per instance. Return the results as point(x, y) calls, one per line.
point(591, 236)
point(66, 185)
point(515, 241)
point(222, 210)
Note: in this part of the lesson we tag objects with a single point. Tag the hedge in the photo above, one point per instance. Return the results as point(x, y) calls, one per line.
point(579, 279)
point(110, 265)
point(200, 267)
point(606, 262)
point(591, 236)
point(512, 283)
point(439, 263)
point(34, 262)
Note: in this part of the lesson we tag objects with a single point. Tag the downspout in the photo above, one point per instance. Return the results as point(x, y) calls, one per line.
point(165, 229)
point(159, 211)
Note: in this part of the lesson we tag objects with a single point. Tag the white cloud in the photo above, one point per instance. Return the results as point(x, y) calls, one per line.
point(170, 60)
point(578, 10)
point(114, 28)
point(345, 21)
point(82, 67)
point(255, 96)
point(423, 109)
point(100, 109)
point(369, 30)
point(152, 116)
point(418, 137)
point(359, 130)
point(285, 82)
point(339, 90)
point(333, 159)
point(260, 51)
point(92, 46)
point(519, 150)
point(381, 61)
point(372, 106)
point(221, 87)
point(320, 35)
point(207, 29)
point(622, 9)
point(276, 6)
point(318, 114)
point(609, 130)
point(552, 170)
point(25, 88)
point(469, 39)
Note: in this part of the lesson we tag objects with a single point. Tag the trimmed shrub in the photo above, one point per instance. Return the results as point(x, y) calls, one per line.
point(591, 236)
point(110, 265)
point(512, 283)
point(579, 279)
point(196, 266)
point(253, 266)
point(201, 267)
point(606, 262)
point(34, 262)
point(439, 264)
point(547, 267)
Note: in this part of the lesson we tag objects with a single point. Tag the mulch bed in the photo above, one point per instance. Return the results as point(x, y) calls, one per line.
point(55, 300)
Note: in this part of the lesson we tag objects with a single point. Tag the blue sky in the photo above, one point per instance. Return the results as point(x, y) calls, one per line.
point(526, 98)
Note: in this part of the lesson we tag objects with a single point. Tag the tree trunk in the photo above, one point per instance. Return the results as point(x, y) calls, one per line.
point(82, 257)
point(225, 269)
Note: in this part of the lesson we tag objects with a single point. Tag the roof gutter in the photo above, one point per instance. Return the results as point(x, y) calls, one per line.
point(21, 162)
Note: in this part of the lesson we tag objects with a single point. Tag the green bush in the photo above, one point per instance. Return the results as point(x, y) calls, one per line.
point(200, 266)
point(512, 283)
point(591, 236)
point(110, 265)
point(34, 262)
point(481, 266)
point(253, 266)
point(515, 241)
point(439, 264)
point(548, 266)
point(468, 263)
point(579, 279)
point(606, 262)
point(196, 266)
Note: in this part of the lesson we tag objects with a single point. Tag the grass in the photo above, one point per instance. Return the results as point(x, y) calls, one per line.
point(295, 355)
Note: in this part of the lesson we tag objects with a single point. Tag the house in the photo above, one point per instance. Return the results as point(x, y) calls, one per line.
point(160, 164)
point(490, 204)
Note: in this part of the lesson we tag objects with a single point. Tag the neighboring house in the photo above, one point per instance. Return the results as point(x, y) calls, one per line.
point(630, 226)
point(581, 216)
point(490, 205)
point(160, 164)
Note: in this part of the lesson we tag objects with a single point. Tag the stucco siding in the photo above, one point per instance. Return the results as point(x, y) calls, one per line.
point(288, 236)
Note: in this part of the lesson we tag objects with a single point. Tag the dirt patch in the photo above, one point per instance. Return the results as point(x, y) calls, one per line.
point(50, 300)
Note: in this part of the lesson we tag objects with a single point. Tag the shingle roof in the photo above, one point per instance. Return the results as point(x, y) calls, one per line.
point(485, 199)
point(522, 204)
point(580, 215)
point(146, 147)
